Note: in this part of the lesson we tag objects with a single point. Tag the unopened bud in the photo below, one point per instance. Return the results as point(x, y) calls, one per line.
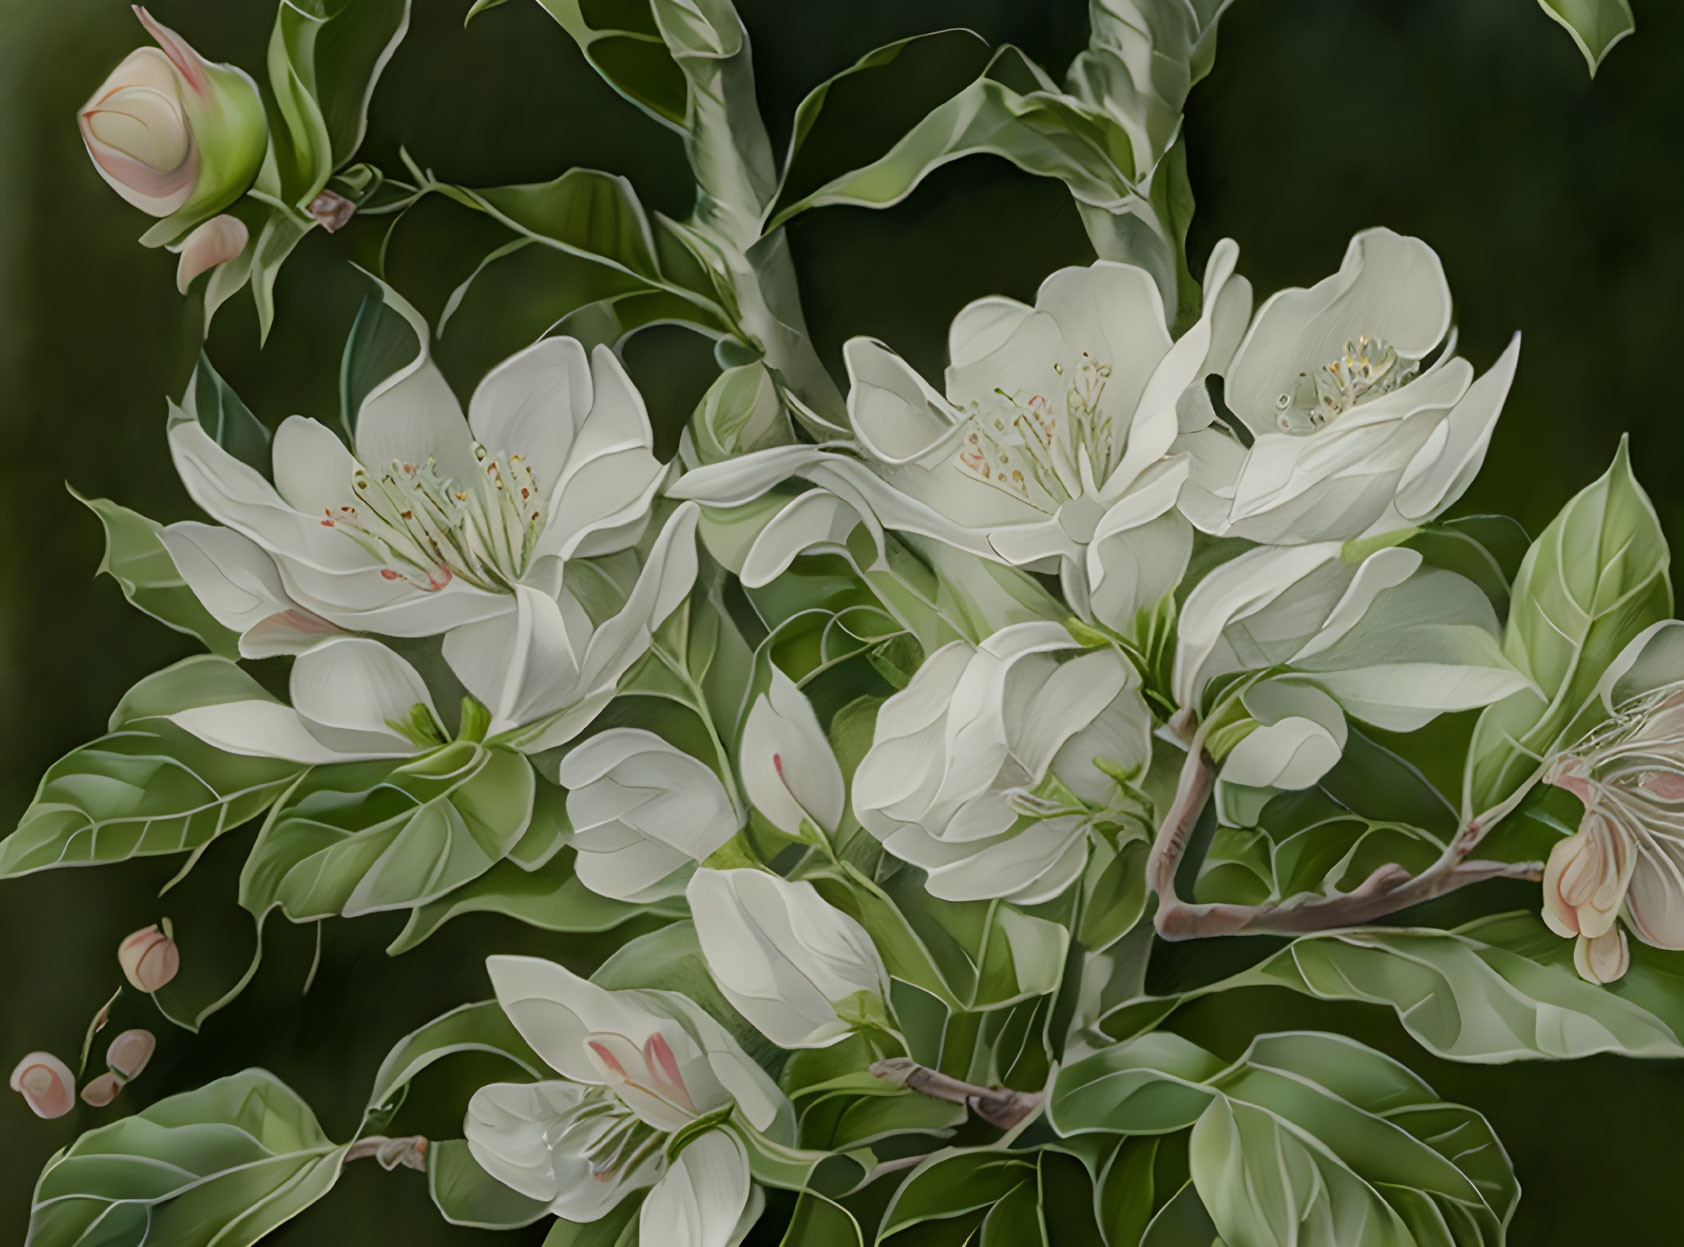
point(149, 959)
point(129, 1053)
point(46, 1084)
point(102, 1090)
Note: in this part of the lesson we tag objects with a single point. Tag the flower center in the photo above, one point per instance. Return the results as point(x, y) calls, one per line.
point(607, 1135)
point(1368, 368)
point(1032, 448)
point(428, 528)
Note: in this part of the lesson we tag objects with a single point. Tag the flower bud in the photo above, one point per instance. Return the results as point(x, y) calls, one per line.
point(641, 812)
point(102, 1090)
point(803, 972)
point(46, 1083)
point(129, 1053)
point(149, 959)
point(789, 771)
point(172, 133)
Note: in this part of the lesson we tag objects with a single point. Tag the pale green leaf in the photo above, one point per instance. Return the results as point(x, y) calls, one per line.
point(1595, 25)
point(467, 1195)
point(1498, 990)
point(144, 789)
point(136, 559)
point(1594, 579)
point(1306, 1138)
point(217, 1167)
point(368, 837)
point(482, 1027)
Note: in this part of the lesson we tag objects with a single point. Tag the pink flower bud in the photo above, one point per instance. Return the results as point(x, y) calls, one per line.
point(102, 1090)
point(46, 1083)
point(129, 1053)
point(149, 959)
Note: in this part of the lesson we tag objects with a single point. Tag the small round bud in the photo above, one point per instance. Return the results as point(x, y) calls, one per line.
point(129, 1053)
point(149, 959)
point(102, 1090)
point(46, 1084)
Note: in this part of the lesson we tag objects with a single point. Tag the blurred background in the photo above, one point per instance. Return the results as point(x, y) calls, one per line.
point(1556, 204)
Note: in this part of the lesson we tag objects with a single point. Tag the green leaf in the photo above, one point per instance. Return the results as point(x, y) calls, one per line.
point(230, 423)
point(141, 790)
point(387, 335)
point(1306, 1138)
point(136, 559)
point(1486, 549)
point(620, 40)
point(550, 898)
point(970, 955)
point(618, 1227)
point(467, 1195)
point(325, 57)
point(1498, 990)
point(596, 218)
point(954, 1186)
point(1594, 579)
point(1012, 110)
point(362, 838)
point(821, 1222)
point(854, 115)
point(1595, 25)
point(740, 412)
point(218, 1167)
point(482, 1027)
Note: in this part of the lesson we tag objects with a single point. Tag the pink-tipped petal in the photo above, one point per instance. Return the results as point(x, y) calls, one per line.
point(180, 52)
point(657, 1054)
point(217, 241)
point(102, 1090)
point(607, 1058)
point(46, 1084)
point(129, 1053)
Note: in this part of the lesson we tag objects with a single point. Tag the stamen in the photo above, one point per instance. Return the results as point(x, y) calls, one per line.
point(428, 528)
point(1368, 368)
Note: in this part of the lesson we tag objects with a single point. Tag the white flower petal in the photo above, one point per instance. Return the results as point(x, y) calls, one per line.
point(1301, 736)
point(1388, 286)
point(640, 810)
point(531, 405)
point(783, 956)
point(789, 771)
point(1447, 464)
point(358, 686)
point(700, 1200)
point(896, 416)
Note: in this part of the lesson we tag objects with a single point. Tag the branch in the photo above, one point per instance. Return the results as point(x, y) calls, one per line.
point(998, 1106)
point(1387, 890)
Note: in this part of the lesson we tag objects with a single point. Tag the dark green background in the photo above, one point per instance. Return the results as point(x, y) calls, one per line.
point(1554, 202)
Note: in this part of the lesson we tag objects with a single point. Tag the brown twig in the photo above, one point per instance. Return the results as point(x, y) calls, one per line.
point(1387, 890)
point(998, 1106)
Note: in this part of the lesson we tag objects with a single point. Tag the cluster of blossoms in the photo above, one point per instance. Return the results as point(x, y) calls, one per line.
point(1114, 565)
